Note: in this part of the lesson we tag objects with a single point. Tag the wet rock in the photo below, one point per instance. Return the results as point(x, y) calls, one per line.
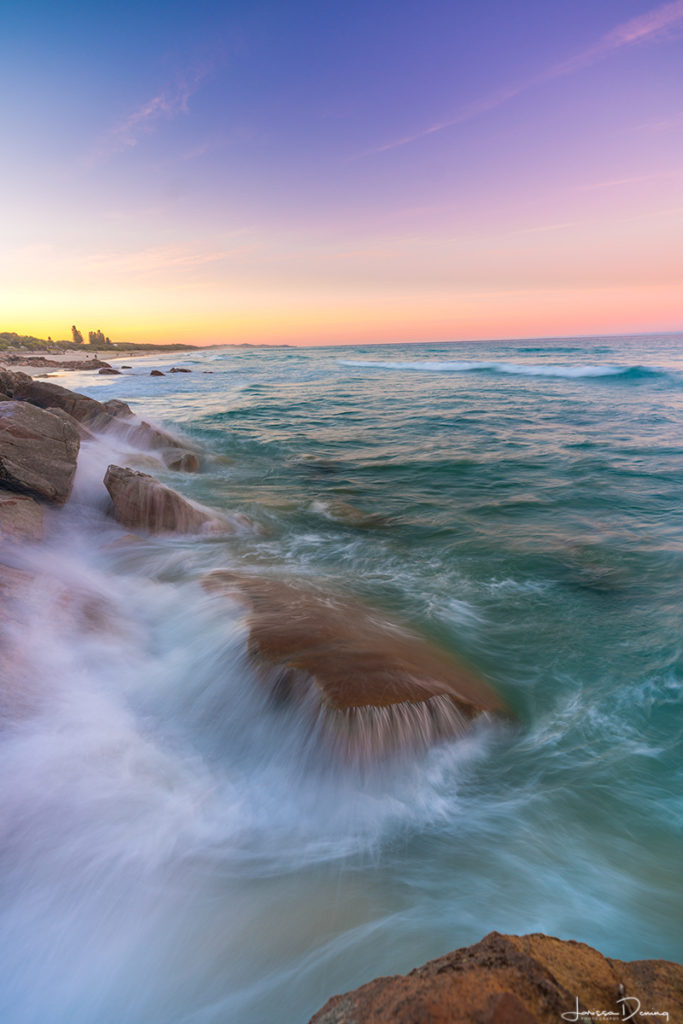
point(157, 373)
point(21, 517)
point(38, 451)
point(345, 512)
point(179, 369)
point(146, 436)
point(372, 685)
point(142, 502)
point(46, 395)
point(83, 432)
point(112, 416)
point(118, 409)
point(179, 460)
point(109, 370)
point(510, 979)
point(126, 367)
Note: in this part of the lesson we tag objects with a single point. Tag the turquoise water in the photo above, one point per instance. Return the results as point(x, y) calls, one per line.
point(171, 851)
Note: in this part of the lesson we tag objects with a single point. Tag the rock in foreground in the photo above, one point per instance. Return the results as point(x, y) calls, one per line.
point(38, 451)
point(142, 502)
point(372, 685)
point(511, 979)
point(21, 518)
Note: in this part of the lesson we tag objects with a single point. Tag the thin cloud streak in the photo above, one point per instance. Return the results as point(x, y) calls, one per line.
point(646, 26)
point(167, 104)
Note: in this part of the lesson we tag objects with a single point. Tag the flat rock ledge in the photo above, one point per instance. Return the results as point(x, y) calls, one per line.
point(517, 979)
point(38, 452)
point(368, 686)
point(141, 502)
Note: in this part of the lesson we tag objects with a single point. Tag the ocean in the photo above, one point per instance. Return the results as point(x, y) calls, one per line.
point(171, 850)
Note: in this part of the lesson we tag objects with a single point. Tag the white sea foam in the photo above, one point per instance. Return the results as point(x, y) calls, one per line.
point(525, 369)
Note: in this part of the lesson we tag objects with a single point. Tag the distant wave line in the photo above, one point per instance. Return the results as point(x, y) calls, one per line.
point(527, 369)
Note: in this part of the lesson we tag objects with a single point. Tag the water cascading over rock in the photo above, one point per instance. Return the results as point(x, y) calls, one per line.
point(368, 686)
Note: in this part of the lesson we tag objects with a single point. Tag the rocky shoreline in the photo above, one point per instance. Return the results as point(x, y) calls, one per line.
point(368, 686)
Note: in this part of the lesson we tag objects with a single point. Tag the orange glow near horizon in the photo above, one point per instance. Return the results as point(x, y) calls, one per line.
point(538, 192)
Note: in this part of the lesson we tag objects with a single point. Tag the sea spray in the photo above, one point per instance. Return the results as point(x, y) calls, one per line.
point(171, 849)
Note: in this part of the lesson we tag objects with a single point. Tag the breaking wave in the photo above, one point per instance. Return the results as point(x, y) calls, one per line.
point(524, 369)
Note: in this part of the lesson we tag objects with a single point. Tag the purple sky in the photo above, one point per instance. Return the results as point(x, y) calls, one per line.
point(322, 172)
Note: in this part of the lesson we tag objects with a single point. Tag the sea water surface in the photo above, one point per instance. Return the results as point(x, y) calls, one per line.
point(172, 852)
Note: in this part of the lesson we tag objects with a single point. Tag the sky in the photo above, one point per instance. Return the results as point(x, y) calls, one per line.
point(327, 172)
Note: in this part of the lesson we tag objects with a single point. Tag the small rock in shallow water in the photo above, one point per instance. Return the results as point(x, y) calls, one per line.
point(142, 502)
point(109, 370)
point(157, 373)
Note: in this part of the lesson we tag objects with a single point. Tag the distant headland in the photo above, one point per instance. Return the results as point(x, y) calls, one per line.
point(10, 341)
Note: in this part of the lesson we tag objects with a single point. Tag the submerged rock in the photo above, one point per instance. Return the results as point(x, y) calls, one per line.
point(179, 460)
point(21, 517)
point(38, 451)
point(109, 370)
point(513, 979)
point(142, 502)
point(373, 686)
point(179, 369)
point(157, 373)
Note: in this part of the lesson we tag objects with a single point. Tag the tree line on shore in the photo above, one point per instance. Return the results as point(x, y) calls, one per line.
point(10, 341)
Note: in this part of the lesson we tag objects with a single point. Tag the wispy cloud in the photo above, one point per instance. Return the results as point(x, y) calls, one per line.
point(165, 105)
point(663, 124)
point(646, 26)
point(162, 257)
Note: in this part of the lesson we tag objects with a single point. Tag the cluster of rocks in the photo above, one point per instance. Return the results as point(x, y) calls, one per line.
point(367, 684)
point(41, 428)
point(516, 979)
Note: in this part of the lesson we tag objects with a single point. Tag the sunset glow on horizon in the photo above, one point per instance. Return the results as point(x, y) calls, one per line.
point(360, 172)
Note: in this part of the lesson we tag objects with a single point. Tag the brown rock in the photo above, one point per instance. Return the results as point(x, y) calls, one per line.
point(114, 415)
point(157, 373)
point(511, 979)
point(47, 395)
point(141, 502)
point(21, 518)
point(179, 369)
point(179, 460)
point(373, 686)
point(109, 370)
point(146, 436)
point(38, 451)
point(83, 432)
point(118, 409)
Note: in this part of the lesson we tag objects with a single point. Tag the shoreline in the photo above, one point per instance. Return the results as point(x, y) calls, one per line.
point(37, 364)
